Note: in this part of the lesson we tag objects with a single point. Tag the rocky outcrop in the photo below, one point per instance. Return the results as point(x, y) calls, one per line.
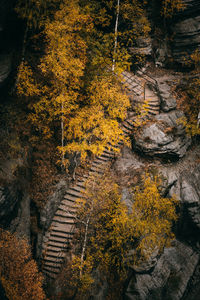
point(168, 101)
point(5, 52)
point(5, 67)
point(9, 198)
point(170, 277)
point(164, 136)
point(190, 194)
point(185, 29)
point(51, 206)
point(14, 197)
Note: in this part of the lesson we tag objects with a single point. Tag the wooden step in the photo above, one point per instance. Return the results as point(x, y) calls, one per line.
point(68, 206)
point(153, 105)
point(125, 130)
point(49, 273)
point(62, 220)
point(61, 234)
point(52, 271)
point(153, 108)
point(109, 152)
point(96, 170)
point(100, 167)
point(71, 198)
point(56, 257)
point(50, 266)
point(72, 192)
point(54, 249)
point(100, 163)
point(102, 158)
point(58, 241)
point(77, 188)
point(66, 228)
point(128, 125)
point(64, 213)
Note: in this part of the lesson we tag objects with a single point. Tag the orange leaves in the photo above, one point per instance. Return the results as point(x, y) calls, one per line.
point(18, 271)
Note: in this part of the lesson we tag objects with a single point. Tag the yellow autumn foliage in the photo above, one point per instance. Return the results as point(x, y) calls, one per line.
point(189, 97)
point(35, 12)
point(89, 110)
point(153, 216)
point(95, 125)
point(170, 7)
point(107, 231)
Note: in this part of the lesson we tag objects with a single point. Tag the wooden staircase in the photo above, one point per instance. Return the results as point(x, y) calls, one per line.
point(56, 242)
point(144, 88)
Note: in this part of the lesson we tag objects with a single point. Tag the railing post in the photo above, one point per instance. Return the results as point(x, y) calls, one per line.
point(144, 90)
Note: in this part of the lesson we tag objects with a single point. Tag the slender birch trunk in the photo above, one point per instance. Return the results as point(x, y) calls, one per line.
point(84, 245)
point(62, 133)
point(116, 34)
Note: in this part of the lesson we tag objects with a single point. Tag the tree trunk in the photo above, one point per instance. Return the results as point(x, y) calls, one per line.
point(22, 56)
point(84, 245)
point(116, 34)
point(62, 134)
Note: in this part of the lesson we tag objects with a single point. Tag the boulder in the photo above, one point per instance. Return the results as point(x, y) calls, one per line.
point(163, 136)
point(167, 100)
point(170, 277)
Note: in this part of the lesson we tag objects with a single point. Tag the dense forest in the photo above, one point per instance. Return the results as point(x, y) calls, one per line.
point(99, 149)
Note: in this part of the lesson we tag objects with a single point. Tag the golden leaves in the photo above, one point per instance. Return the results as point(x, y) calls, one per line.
point(154, 216)
point(95, 125)
point(169, 7)
point(189, 98)
point(26, 84)
point(116, 237)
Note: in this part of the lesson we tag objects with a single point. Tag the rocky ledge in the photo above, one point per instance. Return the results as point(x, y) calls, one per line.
point(165, 135)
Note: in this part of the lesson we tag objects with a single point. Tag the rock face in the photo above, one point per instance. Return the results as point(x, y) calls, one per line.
point(169, 278)
point(173, 274)
point(5, 66)
point(164, 136)
point(190, 194)
point(51, 206)
point(14, 198)
point(186, 30)
point(168, 102)
point(5, 52)
point(9, 198)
